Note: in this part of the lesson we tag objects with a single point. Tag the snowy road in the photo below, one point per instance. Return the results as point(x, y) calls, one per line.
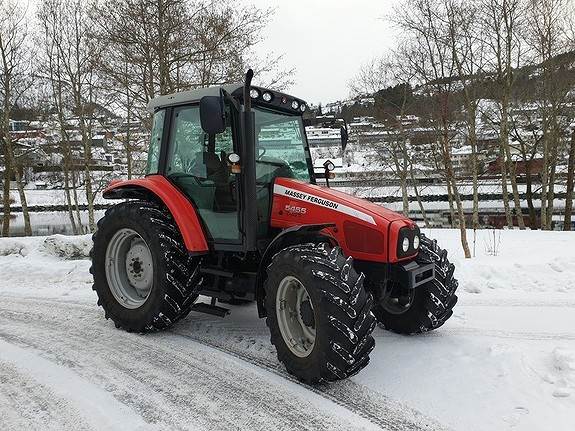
point(505, 361)
point(77, 371)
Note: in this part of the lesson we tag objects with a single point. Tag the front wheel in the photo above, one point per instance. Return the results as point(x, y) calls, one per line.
point(318, 313)
point(427, 307)
point(143, 276)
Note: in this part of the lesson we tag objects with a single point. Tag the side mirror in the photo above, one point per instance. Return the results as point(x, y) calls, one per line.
point(344, 137)
point(212, 116)
point(328, 165)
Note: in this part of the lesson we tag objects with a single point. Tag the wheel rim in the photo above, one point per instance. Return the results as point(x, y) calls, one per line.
point(295, 314)
point(129, 268)
point(397, 300)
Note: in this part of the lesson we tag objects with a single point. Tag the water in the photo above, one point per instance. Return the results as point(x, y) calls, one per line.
point(48, 222)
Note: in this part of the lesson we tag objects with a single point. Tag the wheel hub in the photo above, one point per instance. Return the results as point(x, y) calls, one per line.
point(129, 268)
point(295, 315)
point(306, 314)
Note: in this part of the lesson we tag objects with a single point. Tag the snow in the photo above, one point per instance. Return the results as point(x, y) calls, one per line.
point(105, 412)
point(505, 360)
point(69, 247)
point(9, 247)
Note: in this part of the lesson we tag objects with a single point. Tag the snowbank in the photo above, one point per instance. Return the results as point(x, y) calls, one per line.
point(56, 266)
point(513, 261)
point(69, 247)
point(8, 247)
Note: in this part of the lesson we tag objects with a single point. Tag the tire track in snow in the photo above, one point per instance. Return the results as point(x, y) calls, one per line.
point(26, 404)
point(381, 411)
point(376, 408)
point(232, 393)
point(61, 395)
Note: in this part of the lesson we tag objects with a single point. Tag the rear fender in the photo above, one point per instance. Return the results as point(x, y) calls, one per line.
point(183, 212)
point(291, 236)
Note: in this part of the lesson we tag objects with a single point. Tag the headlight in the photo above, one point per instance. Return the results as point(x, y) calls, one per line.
point(295, 105)
point(302, 107)
point(405, 245)
point(416, 242)
point(254, 94)
point(267, 96)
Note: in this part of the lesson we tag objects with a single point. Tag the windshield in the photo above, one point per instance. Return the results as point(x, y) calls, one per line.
point(280, 146)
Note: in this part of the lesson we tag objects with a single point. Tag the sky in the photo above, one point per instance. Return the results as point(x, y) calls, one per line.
point(326, 42)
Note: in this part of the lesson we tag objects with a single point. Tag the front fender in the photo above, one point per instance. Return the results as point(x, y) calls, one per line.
point(180, 207)
point(293, 235)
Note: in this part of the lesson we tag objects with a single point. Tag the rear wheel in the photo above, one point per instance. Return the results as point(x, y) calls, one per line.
point(143, 276)
point(318, 312)
point(427, 307)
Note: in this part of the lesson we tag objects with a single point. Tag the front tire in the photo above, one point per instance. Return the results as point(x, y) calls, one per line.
point(430, 305)
point(315, 287)
point(143, 276)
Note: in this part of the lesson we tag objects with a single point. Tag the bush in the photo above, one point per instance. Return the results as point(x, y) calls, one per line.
point(68, 247)
point(8, 247)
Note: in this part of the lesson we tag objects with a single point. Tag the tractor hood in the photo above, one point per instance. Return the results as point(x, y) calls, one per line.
point(363, 229)
point(331, 196)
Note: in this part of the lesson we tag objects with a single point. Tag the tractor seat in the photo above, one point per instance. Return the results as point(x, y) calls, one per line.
point(217, 171)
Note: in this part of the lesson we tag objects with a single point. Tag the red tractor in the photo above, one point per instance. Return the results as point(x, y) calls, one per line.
point(229, 209)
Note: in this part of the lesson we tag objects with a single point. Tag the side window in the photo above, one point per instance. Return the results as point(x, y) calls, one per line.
point(187, 143)
point(155, 141)
point(197, 164)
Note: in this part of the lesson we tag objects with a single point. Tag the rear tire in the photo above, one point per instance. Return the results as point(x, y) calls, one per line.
point(341, 320)
point(432, 303)
point(175, 273)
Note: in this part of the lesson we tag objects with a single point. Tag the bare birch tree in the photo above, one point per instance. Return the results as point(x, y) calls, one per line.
point(546, 35)
point(468, 52)
point(423, 22)
point(14, 68)
point(502, 25)
point(68, 24)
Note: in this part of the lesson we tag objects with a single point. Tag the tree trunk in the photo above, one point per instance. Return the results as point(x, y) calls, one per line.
point(544, 180)
point(419, 202)
point(569, 191)
point(87, 147)
point(66, 172)
point(504, 191)
point(451, 180)
point(23, 202)
point(6, 195)
point(552, 172)
point(529, 193)
point(451, 205)
point(474, 169)
point(76, 203)
point(517, 203)
point(461, 216)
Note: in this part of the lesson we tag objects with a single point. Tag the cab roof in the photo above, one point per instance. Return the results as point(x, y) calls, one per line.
point(279, 101)
point(190, 96)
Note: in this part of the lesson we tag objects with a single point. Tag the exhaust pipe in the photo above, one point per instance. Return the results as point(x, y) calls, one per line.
point(249, 210)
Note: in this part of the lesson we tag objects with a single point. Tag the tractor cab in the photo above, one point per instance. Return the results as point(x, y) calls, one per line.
point(199, 143)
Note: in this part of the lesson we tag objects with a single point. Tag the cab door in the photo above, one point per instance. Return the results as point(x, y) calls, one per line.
point(197, 164)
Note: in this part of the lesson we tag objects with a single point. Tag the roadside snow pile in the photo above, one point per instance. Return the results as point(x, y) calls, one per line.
point(563, 372)
point(69, 247)
point(53, 266)
point(511, 260)
point(8, 247)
